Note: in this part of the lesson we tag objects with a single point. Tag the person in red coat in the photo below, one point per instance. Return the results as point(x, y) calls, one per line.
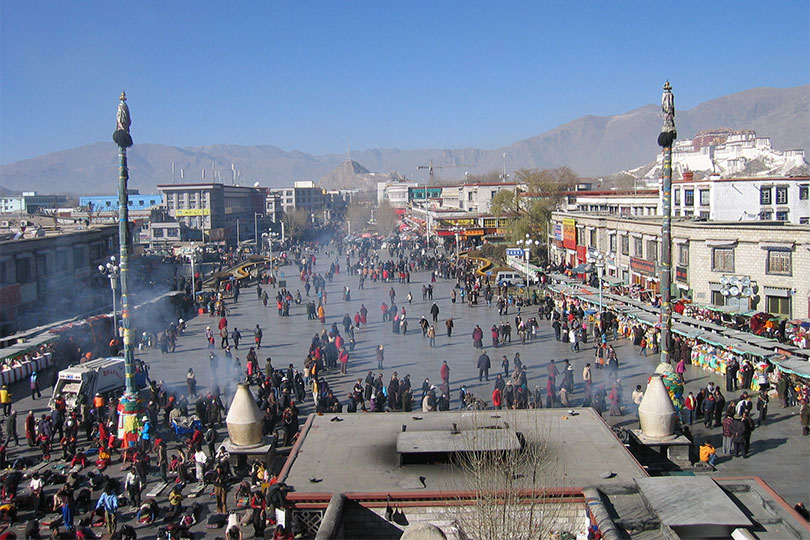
point(497, 398)
point(445, 373)
point(31, 429)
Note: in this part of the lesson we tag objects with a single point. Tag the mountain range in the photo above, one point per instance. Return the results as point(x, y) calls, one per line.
point(590, 145)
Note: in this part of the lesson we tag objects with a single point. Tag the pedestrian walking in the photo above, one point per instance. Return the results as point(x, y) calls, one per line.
point(33, 382)
point(762, 407)
point(689, 406)
point(108, 503)
point(380, 356)
point(483, 366)
point(191, 382)
point(5, 399)
point(11, 429)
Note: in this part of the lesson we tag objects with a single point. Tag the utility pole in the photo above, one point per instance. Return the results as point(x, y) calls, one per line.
point(665, 140)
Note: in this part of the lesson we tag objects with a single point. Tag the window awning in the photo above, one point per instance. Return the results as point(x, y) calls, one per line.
point(721, 243)
point(777, 246)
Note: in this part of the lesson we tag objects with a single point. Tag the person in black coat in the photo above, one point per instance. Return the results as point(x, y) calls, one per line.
point(483, 366)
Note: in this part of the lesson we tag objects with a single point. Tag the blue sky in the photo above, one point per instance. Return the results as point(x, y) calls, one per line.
point(309, 75)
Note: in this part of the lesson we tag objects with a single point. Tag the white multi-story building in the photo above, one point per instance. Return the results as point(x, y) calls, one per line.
point(222, 211)
point(304, 195)
point(478, 197)
point(12, 204)
point(743, 199)
point(640, 202)
point(771, 256)
point(396, 193)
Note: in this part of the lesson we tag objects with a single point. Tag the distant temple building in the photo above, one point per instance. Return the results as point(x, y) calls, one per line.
point(727, 152)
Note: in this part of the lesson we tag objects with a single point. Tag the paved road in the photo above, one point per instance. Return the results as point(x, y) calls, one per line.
point(779, 454)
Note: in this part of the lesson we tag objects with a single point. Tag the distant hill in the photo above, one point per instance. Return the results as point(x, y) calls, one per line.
point(352, 175)
point(590, 145)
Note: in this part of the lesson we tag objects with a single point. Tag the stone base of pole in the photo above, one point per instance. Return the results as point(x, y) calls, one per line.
point(130, 419)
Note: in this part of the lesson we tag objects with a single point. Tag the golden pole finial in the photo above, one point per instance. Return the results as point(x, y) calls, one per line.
point(123, 96)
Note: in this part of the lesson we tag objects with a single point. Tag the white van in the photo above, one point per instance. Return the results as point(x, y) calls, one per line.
point(510, 278)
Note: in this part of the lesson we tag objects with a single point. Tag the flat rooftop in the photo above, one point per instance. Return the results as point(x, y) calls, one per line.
point(674, 505)
point(359, 453)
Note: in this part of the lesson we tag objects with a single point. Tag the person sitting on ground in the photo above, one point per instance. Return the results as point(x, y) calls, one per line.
point(708, 454)
point(8, 513)
point(10, 484)
point(103, 458)
point(79, 458)
point(148, 511)
point(175, 503)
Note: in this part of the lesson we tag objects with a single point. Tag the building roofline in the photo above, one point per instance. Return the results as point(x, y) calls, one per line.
point(746, 179)
point(209, 184)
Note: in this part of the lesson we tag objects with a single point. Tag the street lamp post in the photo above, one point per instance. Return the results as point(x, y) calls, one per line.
point(256, 230)
point(600, 272)
point(527, 247)
point(456, 231)
point(193, 275)
point(112, 271)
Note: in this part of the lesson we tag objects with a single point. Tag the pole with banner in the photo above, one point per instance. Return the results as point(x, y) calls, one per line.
point(130, 404)
point(665, 140)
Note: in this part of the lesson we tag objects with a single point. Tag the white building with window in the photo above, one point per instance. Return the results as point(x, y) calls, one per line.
point(637, 202)
point(396, 193)
point(743, 199)
point(770, 256)
point(478, 197)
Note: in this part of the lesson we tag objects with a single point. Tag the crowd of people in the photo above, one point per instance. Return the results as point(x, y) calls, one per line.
point(179, 431)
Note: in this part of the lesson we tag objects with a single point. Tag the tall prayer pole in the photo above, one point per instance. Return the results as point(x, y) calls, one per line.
point(665, 140)
point(130, 403)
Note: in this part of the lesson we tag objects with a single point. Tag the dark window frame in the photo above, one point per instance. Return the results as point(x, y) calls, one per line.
point(725, 253)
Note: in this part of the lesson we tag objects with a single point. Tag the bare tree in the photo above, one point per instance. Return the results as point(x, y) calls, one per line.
point(298, 223)
point(357, 216)
point(546, 189)
point(491, 176)
point(505, 493)
point(386, 218)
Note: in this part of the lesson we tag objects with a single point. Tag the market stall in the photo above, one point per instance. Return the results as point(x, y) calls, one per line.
point(20, 360)
point(797, 332)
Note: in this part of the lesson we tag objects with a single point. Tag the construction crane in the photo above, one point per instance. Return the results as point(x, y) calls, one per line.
point(429, 168)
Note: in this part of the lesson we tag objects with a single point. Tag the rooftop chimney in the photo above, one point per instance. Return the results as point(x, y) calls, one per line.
point(688, 176)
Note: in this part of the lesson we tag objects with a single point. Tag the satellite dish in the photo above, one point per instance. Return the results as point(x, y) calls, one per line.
point(747, 291)
point(746, 281)
point(255, 184)
point(734, 290)
point(724, 281)
point(734, 281)
point(724, 292)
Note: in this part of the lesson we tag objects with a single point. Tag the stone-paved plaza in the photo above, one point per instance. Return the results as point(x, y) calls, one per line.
point(780, 455)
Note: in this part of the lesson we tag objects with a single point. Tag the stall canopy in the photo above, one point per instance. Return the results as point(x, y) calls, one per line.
point(794, 365)
point(6, 353)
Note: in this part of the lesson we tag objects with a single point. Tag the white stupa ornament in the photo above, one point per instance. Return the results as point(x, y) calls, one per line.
point(244, 419)
point(656, 413)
